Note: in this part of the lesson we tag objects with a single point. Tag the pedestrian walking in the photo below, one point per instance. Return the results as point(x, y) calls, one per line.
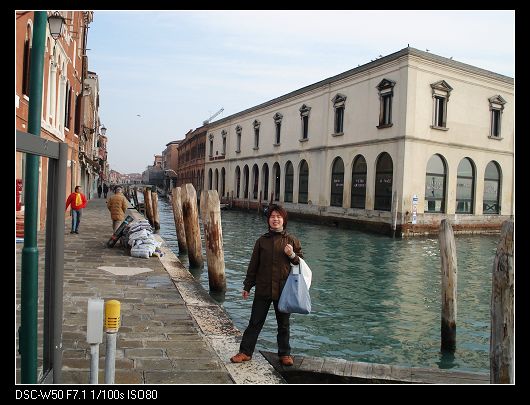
point(105, 190)
point(77, 201)
point(99, 190)
point(117, 205)
point(268, 270)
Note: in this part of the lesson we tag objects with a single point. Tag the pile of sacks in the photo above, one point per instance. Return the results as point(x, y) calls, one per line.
point(139, 236)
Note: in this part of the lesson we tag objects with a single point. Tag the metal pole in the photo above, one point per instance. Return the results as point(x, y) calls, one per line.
point(110, 357)
point(58, 270)
point(94, 363)
point(30, 253)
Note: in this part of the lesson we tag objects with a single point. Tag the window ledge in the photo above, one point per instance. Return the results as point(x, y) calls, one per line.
point(337, 134)
point(384, 126)
point(238, 151)
point(255, 148)
point(440, 128)
point(497, 138)
point(276, 144)
point(303, 139)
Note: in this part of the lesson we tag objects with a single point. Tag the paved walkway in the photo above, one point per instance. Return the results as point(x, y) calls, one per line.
point(172, 331)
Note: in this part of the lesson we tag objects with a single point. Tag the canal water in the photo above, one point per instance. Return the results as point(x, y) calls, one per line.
point(375, 299)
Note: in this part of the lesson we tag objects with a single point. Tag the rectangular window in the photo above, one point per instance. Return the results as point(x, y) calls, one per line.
point(387, 110)
point(26, 68)
point(67, 106)
point(238, 149)
point(278, 130)
point(496, 123)
point(439, 111)
point(256, 138)
point(211, 148)
point(224, 146)
point(77, 124)
point(339, 120)
point(305, 126)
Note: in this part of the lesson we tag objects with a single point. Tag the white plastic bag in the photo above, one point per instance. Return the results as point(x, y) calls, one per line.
point(304, 269)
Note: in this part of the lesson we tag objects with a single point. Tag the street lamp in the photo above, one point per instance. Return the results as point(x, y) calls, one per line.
point(103, 130)
point(55, 21)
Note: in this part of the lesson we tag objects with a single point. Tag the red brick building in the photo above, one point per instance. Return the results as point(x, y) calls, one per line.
point(65, 66)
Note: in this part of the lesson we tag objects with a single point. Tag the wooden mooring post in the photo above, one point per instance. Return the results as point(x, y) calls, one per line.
point(502, 310)
point(191, 225)
point(446, 239)
point(213, 237)
point(176, 203)
point(156, 217)
point(148, 205)
point(259, 202)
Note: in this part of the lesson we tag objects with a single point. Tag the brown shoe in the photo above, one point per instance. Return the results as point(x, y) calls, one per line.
point(286, 360)
point(240, 358)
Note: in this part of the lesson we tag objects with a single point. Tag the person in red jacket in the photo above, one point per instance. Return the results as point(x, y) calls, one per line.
point(77, 201)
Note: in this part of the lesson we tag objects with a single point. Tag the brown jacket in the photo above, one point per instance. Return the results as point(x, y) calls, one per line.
point(117, 205)
point(269, 266)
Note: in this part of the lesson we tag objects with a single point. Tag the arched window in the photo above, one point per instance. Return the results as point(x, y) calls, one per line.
point(255, 181)
point(216, 180)
point(383, 183)
point(337, 183)
point(265, 176)
point(492, 188)
point(238, 181)
point(465, 187)
point(289, 173)
point(358, 183)
point(222, 182)
point(245, 181)
point(209, 179)
point(435, 180)
point(276, 173)
point(303, 182)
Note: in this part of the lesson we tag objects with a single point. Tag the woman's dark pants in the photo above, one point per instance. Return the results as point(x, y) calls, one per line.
point(260, 309)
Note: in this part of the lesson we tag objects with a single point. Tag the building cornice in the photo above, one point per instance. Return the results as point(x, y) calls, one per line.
point(403, 53)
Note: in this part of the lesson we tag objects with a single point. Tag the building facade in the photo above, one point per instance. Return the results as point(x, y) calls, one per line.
point(65, 67)
point(191, 151)
point(170, 161)
point(401, 142)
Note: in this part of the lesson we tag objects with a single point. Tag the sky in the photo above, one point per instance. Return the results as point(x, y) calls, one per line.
point(162, 73)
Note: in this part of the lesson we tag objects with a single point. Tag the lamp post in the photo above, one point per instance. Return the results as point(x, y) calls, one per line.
point(30, 253)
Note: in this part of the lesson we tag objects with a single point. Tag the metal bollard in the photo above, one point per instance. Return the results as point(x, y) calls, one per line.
point(112, 324)
point(94, 335)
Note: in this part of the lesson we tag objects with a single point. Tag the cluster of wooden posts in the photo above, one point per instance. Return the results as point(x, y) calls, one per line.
point(186, 216)
point(502, 301)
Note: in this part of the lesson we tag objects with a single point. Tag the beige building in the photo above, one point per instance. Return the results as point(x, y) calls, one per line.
point(404, 141)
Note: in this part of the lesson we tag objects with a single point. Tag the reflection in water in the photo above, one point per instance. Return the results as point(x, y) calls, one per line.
point(375, 299)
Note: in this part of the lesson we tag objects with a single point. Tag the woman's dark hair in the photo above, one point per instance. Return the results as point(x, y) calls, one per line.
point(280, 210)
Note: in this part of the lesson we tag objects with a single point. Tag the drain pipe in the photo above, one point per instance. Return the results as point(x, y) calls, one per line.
point(94, 335)
point(112, 324)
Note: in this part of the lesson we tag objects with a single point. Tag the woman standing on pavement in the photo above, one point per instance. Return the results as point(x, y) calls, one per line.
point(268, 270)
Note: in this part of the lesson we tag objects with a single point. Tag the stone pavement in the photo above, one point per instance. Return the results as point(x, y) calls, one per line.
point(172, 332)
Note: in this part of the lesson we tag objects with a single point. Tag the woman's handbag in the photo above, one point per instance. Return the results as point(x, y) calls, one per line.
point(295, 295)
